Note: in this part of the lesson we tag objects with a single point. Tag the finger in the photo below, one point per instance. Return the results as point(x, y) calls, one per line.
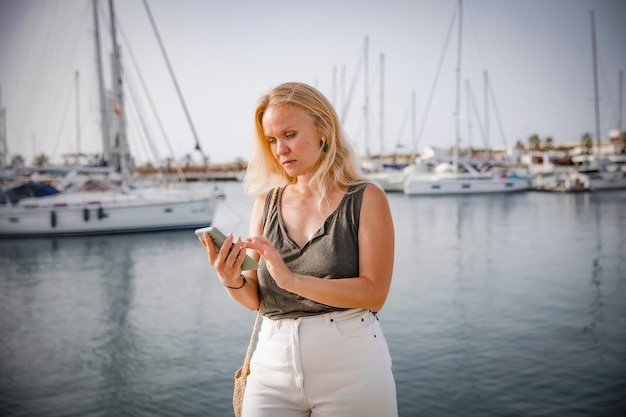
point(226, 246)
point(203, 239)
point(254, 242)
point(207, 242)
point(235, 252)
point(210, 247)
point(241, 255)
point(260, 244)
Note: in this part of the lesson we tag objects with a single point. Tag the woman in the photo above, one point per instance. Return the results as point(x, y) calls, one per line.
point(326, 237)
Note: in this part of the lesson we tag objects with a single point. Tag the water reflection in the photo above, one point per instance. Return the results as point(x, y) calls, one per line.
point(117, 345)
point(596, 306)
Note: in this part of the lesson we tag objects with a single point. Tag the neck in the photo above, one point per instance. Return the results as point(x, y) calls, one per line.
point(303, 183)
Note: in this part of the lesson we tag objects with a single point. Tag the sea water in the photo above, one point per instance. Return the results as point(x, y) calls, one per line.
point(500, 305)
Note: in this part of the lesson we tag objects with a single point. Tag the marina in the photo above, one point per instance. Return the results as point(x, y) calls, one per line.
point(507, 298)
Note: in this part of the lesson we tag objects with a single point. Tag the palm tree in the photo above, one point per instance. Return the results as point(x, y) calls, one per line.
point(41, 160)
point(534, 142)
point(587, 142)
point(17, 161)
point(548, 143)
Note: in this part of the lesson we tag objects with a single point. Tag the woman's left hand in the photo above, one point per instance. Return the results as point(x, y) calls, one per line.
point(274, 262)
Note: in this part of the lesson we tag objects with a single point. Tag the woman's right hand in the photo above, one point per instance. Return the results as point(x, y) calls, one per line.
point(273, 260)
point(227, 261)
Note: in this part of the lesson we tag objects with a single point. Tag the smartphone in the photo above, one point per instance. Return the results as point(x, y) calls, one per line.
point(218, 240)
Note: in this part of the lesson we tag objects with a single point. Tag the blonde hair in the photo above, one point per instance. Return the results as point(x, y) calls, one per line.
point(336, 168)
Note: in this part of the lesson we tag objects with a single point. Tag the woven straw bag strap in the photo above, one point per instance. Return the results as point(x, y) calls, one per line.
point(246, 361)
point(274, 192)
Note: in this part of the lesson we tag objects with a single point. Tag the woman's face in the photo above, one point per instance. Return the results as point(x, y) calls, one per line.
point(292, 137)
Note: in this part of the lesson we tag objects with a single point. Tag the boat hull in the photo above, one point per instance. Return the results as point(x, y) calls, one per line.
point(105, 213)
point(607, 174)
point(459, 184)
point(389, 181)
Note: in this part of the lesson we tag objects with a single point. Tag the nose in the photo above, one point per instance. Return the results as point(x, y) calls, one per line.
point(281, 147)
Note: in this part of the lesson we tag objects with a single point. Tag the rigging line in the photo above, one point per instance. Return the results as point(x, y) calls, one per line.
point(62, 121)
point(155, 112)
point(60, 86)
point(391, 91)
point(33, 86)
point(470, 13)
point(374, 81)
point(149, 143)
point(609, 107)
point(344, 113)
point(140, 148)
point(138, 112)
point(87, 118)
point(576, 76)
point(481, 130)
point(25, 53)
point(498, 118)
point(171, 70)
point(402, 126)
point(432, 90)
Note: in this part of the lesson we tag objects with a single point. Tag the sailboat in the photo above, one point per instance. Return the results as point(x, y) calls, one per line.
point(457, 178)
point(605, 172)
point(92, 202)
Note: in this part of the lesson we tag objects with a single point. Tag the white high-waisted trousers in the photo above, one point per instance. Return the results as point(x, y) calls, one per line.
point(331, 365)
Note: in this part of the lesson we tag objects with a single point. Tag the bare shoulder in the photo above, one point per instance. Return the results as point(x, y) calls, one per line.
point(374, 195)
point(260, 199)
point(375, 210)
point(256, 220)
point(376, 226)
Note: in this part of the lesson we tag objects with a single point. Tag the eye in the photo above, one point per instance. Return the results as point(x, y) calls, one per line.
point(290, 135)
point(271, 141)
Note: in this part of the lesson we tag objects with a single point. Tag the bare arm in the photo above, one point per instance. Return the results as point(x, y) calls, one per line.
point(228, 265)
point(376, 256)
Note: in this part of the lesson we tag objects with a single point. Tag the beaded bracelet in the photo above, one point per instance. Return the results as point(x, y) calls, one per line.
point(241, 286)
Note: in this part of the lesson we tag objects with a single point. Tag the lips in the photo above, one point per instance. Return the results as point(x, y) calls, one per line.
point(288, 162)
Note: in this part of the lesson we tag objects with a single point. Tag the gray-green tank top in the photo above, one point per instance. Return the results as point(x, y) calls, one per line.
point(332, 253)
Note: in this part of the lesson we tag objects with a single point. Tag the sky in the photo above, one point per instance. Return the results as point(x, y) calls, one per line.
point(225, 54)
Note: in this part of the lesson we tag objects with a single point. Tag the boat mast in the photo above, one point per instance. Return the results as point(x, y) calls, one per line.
point(468, 103)
point(104, 119)
point(486, 86)
point(457, 109)
point(77, 81)
point(119, 90)
point(382, 104)
point(620, 91)
point(3, 135)
point(334, 100)
point(413, 126)
point(366, 106)
point(595, 81)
